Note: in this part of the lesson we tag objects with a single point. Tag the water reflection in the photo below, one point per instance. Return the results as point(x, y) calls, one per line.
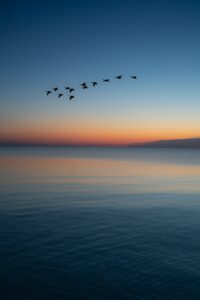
point(135, 172)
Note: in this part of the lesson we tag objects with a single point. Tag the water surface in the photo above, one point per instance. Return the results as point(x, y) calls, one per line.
point(99, 223)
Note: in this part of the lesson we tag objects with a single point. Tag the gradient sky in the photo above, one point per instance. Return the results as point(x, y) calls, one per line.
point(57, 43)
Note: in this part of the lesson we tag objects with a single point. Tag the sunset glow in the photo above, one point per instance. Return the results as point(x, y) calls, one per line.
point(163, 103)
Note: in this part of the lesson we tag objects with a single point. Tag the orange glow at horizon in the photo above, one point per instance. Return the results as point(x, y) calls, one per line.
point(97, 134)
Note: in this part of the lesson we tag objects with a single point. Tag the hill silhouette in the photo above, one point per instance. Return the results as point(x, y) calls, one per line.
point(193, 143)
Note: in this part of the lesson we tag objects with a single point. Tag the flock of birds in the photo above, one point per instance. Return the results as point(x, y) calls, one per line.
point(83, 85)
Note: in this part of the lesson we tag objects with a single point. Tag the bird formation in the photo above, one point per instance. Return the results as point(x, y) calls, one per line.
point(83, 85)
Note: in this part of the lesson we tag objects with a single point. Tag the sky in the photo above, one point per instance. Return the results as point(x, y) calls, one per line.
point(58, 43)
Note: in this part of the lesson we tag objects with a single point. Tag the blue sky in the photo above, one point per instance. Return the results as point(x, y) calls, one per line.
point(49, 43)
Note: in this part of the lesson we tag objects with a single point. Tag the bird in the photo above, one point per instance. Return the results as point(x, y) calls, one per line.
point(67, 88)
point(48, 92)
point(134, 77)
point(71, 97)
point(118, 77)
point(106, 80)
point(94, 83)
point(55, 89)
point(85, 87)
point(60, 95)
point(83, 84)
point(71, 90)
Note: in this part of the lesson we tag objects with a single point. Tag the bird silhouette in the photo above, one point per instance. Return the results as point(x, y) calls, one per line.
point(60, 93)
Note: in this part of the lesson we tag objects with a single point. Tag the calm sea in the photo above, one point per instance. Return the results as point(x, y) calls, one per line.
point(97, 223)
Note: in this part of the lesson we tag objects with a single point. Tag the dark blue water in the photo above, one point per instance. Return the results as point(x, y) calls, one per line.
point(99, 223)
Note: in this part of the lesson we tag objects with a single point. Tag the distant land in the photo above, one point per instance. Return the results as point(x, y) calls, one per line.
point(193, 143)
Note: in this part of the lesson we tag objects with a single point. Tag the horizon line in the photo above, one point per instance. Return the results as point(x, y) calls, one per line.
point(180, 143)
